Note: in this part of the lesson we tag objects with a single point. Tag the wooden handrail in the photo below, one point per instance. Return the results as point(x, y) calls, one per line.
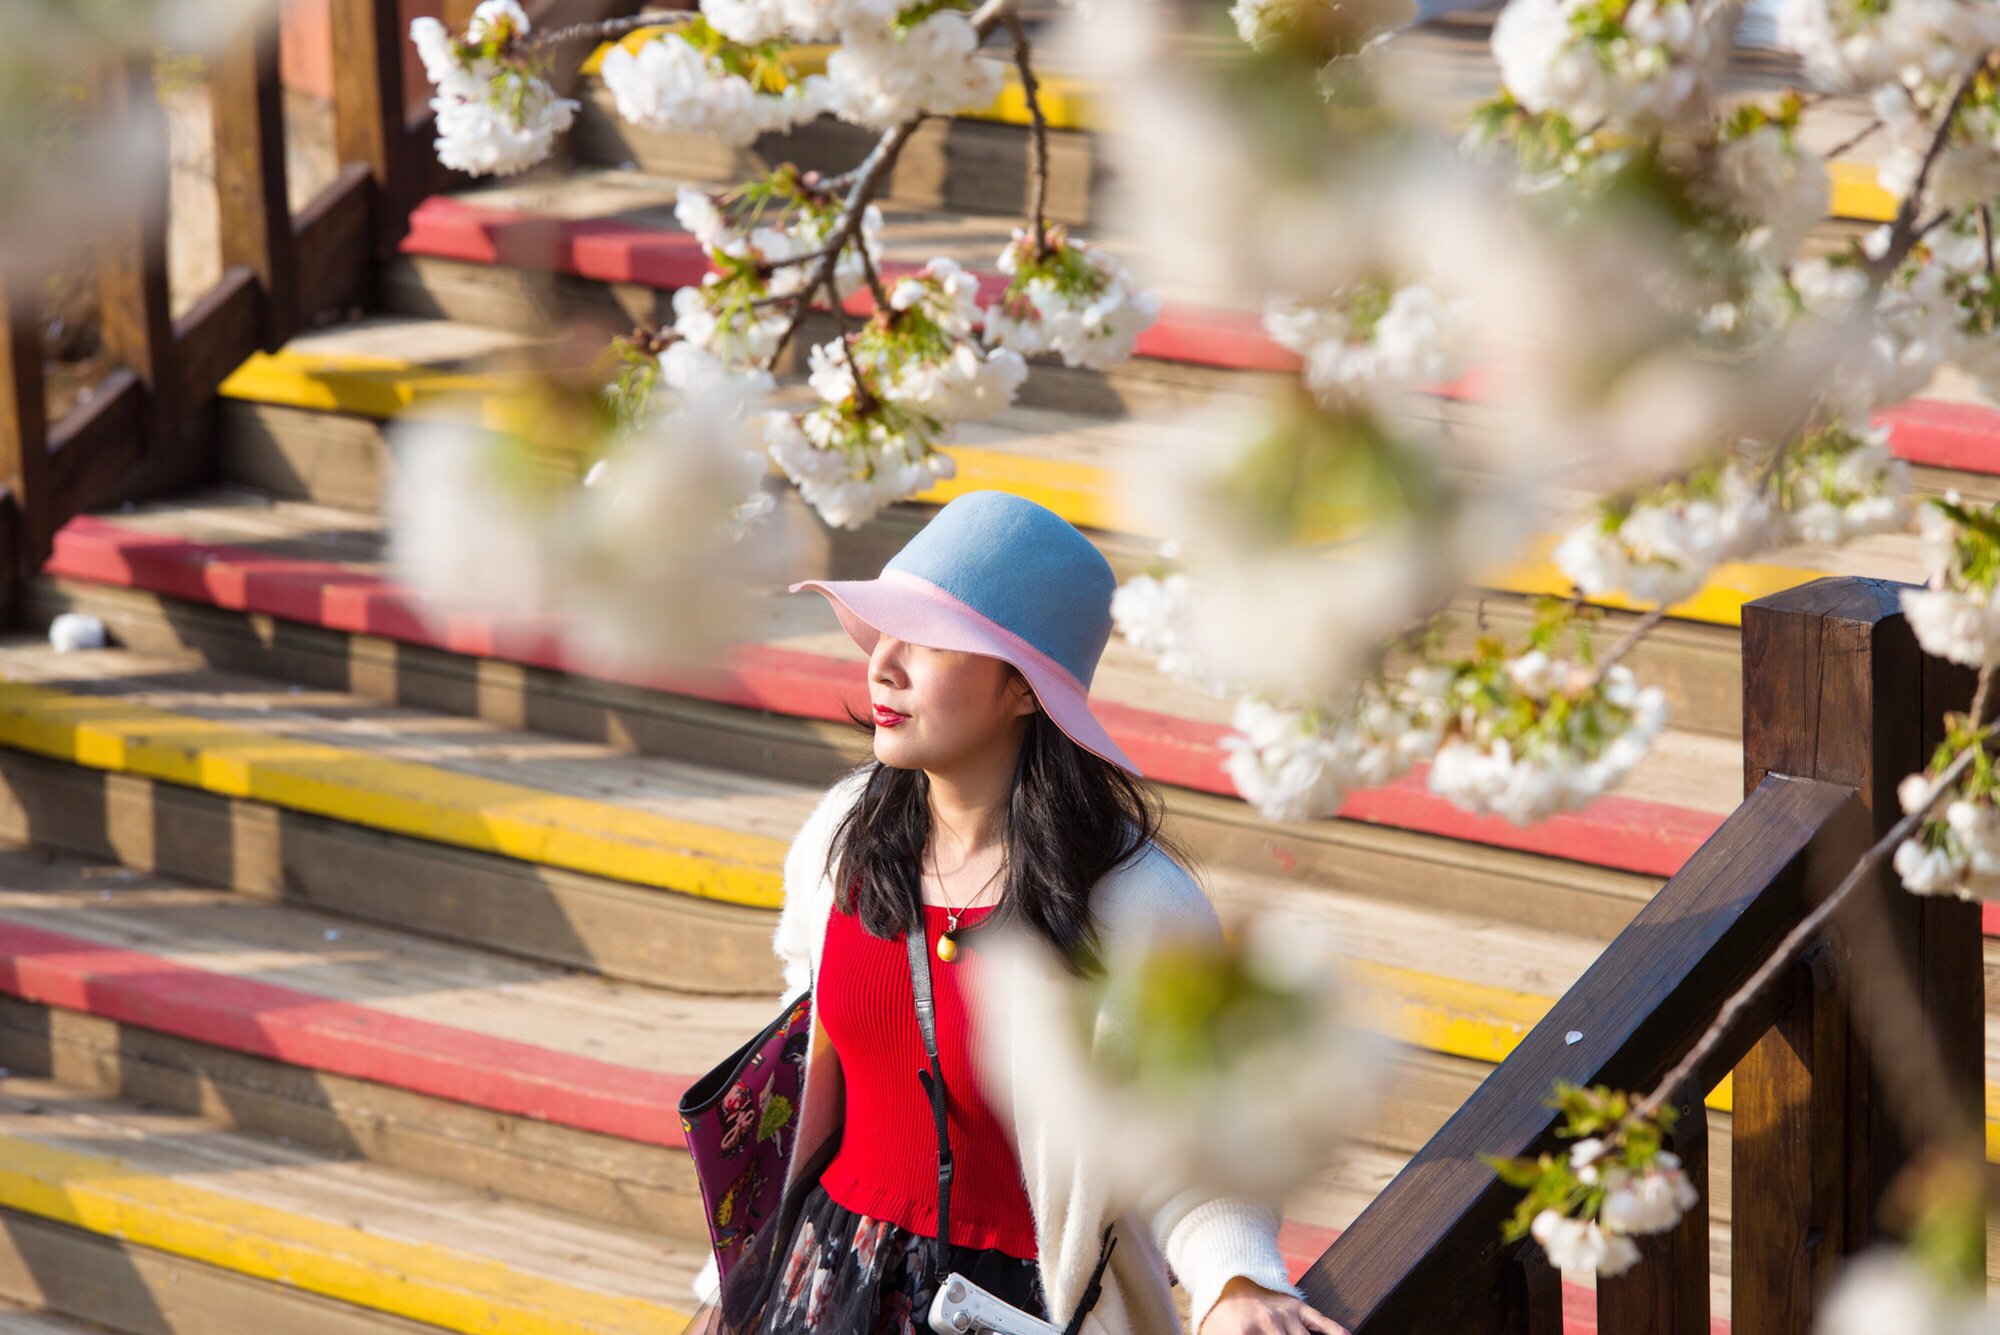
point(1426, 1253)
point(1839, 704)
point(147, 425)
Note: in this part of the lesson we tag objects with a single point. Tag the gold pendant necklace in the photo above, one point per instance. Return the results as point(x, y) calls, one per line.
point(947, 946)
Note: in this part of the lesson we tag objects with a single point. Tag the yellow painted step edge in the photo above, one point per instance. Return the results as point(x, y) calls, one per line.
point(1084, 494)
point(404, 797)
point(420, 1281)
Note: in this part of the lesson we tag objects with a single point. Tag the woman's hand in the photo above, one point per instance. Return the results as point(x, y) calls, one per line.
point(1249, 1309)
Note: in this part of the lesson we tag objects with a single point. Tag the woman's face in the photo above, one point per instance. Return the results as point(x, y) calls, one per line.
point(939, 709)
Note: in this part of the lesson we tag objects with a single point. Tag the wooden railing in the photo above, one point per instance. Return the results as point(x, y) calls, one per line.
point(151, 415)
point(1839, 704)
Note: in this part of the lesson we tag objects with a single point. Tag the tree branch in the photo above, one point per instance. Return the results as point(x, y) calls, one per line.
point(873, 171)
point(605, 29)
point(1038, 181)
point(1904, 232)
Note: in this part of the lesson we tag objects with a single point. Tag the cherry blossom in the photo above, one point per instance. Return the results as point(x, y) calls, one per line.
point(1957, 615)
point(1635, 66)
point(1074, 300)
point(1659, 545)
point(497, 114)
point(1850, 44)
point(884, 73)
point(1367, 339)
point(689, 80)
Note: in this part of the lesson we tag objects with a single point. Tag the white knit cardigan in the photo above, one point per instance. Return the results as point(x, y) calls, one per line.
point(1208, 1240)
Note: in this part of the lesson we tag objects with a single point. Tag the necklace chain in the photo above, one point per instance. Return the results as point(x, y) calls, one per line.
point(953, 913)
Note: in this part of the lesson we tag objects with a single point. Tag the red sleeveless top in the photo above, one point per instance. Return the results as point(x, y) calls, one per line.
point(886, 1167)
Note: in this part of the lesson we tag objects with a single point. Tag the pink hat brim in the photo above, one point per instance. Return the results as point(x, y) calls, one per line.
point(919, 612)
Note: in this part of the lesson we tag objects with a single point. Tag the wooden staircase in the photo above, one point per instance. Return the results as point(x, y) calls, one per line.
point(351, 963)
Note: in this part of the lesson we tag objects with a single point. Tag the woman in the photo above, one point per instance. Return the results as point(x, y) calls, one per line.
point(994, 796)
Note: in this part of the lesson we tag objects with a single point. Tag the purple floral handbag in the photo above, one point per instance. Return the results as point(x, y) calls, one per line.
point(741, 1122)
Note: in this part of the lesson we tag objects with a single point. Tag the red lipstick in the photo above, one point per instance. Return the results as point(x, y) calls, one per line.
point(886, 717)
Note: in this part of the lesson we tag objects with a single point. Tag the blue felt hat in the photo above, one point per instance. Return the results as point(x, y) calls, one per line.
point(997, 575)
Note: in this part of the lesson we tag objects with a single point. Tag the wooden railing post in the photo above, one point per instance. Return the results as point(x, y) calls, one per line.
point(24, 436)
point(255, 212)
point(1836, 690)
point(133, 309)
point(368, 47)
point(1667, 1292)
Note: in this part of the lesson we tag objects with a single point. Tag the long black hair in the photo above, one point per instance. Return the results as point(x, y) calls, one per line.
point(1072, 817)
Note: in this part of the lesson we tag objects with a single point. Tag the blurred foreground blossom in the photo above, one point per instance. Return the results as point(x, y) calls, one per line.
point(1935, 1283)
point(631, 524)
point(69, 165)
point(1191, 1062)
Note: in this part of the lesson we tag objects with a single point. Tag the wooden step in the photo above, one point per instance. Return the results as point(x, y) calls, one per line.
point(111, 1208)
point(16, 1320)
point(800, 664)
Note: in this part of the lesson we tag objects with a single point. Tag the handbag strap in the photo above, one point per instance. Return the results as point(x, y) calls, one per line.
point(918, 946)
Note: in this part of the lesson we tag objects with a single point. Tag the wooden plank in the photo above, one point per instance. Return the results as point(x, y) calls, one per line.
point(96, 444)
point(377, 1239)
point(215, 334)
point(1426, 1255)
point(617, 1182)
point(24, 436)
point(116, 1285)
point(133, 304)
point(248, 112)
point(537, 913)
point(332, 247)
point(368, 45)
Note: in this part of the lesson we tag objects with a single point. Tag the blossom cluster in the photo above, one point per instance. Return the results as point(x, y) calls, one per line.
point(692, 80)
point(1617, 1182)
point(496, 111)
point(889, 396)
point(885, 73)
point(1957, 853)
point(1859, 44)
point(1660, 544)
point(1370, 337)
point(1070, 298)
point(1956, 616)
point(764, 241)
point(1532, 735)
point(1296, 764)
point(1632, 66)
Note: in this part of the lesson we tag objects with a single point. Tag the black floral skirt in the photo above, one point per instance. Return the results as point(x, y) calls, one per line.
point(847, 1274)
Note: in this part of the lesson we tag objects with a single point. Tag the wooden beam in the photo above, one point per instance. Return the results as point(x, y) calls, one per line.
point(217, 333)
point(333, 249)
point(134, 313)
point(95, 446)
point(248, 112)
point(24, 439)
point(368, 49)
point(1426, 1256)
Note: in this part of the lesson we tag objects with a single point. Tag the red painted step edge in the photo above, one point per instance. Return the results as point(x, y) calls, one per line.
point(613, 250)
point(1615, 832)
point(1302, 1244)
point(1961, 436)
point(339, 1037)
